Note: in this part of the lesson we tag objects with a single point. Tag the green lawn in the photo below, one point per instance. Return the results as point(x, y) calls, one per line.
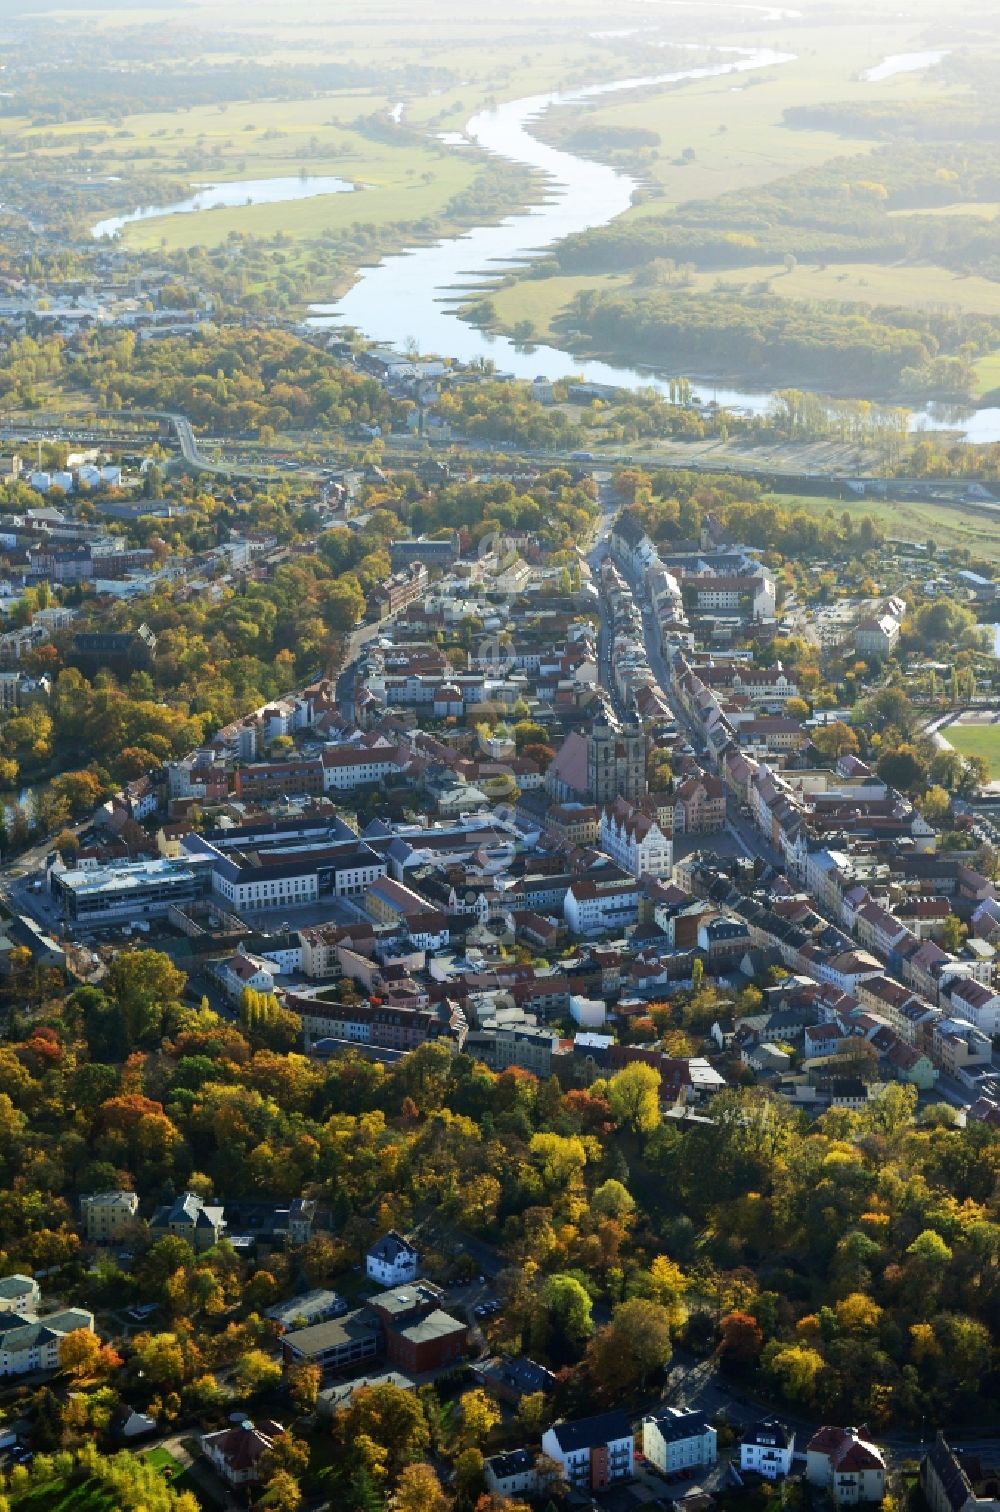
point(178, 1476)
point(976, 740)
point(904, 521)
point(162, 1459)
point(988, 373)
point(62, 1494)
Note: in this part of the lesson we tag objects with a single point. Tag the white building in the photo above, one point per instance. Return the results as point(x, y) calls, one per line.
point(28, 1344)
point(589, 1013)
point(243, 970)
point(678, 1439)
point(392, 1260)
point(19, 1294)
point(347, 767)
point(512, 1474)
point(768, 1448)
point(877, 636)
point(236, 1452)
point(977, 1004)
point(635, 841)
point(597, 907)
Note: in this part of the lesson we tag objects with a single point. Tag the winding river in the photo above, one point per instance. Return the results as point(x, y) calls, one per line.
point(413, 295)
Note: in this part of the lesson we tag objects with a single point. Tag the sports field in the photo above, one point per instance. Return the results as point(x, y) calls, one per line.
point(976, 740)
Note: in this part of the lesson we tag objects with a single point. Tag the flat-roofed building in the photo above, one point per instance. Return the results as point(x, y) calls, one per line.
point(337, 1344)
point(135, 890)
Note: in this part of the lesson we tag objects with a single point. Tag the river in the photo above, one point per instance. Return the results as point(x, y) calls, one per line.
point(412, 295)
point(902, 63)
point(271, 191)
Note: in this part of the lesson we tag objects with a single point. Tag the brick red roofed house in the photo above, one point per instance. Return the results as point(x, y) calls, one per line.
point(845, 1464)
point(236, 1452)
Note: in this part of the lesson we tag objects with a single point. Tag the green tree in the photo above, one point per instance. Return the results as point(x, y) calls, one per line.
point(953, 933)
point(144, 983)
point(563, 1318)
point(903, 768)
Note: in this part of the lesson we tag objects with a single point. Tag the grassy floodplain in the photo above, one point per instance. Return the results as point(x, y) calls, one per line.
point(903, 520)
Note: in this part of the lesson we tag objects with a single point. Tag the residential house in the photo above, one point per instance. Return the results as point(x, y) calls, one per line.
point(236, 1452)
point(108, 1216)
point(511, 1474)
point(768, 1448)
point(244, 971)
point(392, 1260)
point(678, 1438)
point(127, 1424)
point(977, 1004)
point(28, 1344)
point(510, 1379)
point(593, 1452)
point(201, 1224)
point(20, 1294)
point(840, 1461)
point(876, 636)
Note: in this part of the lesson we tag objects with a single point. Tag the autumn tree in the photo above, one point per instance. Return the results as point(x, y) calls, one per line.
point(634, 1097)
point(80, 1353)
point(144, 983)
point(391, 1420)
point(419, 1490)
point(626, 1353)
point(304, 1382)
point(741, 1339)
point(562, 1320)
point(479, 1416)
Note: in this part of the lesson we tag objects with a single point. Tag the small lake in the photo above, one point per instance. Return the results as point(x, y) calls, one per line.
point(902, 63)
point(238, 192)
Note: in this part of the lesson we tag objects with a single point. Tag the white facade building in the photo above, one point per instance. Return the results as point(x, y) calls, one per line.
point(679, 1439)
point(27, 1344)
point(768, 1448)
point(392, 1260)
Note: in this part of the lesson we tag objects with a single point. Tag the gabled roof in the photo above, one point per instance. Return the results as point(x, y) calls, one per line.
point(770, 1433)
point(391, 1248)
point(592, 1432)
